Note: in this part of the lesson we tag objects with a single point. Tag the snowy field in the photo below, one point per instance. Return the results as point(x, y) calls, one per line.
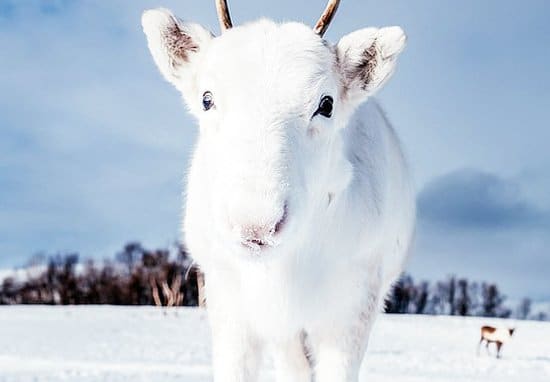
point(93, 344)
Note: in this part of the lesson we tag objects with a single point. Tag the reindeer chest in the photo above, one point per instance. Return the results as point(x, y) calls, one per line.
point(284, 298)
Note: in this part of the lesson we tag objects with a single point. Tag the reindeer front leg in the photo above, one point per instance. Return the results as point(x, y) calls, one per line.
point(291, 360)
point(236, 353)
point(339, 351)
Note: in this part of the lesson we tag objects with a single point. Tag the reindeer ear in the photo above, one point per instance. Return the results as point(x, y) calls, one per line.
point(367, 58)
point(174, 45)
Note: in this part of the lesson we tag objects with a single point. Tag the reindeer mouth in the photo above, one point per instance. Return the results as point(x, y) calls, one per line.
point(259, 238)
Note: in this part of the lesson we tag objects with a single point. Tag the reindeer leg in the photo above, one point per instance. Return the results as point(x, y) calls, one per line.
point(236, 352)
point(291, 361)
point(338, 349)
point(479, 345)
point(499, 345)
point(236, 355)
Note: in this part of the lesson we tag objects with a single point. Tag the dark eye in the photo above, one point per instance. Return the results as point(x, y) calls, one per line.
point(207, 101)
point(325, 107)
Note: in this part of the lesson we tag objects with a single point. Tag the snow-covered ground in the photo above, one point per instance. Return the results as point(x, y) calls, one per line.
point(108, 344)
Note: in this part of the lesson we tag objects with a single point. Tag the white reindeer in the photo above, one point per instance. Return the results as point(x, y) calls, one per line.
point(299, 206)
point(497, 335)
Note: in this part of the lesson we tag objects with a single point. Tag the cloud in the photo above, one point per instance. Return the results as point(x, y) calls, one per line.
point(471, 199)
point(479, 225)
point(93, 143)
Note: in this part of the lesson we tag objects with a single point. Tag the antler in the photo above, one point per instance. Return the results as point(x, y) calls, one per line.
point(223, 15)
point(320, 28)
point(327, 16)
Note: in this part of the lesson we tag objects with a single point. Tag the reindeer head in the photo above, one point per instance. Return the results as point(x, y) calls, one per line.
point(271, 100)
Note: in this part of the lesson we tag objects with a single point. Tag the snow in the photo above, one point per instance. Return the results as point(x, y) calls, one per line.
point(120, 344)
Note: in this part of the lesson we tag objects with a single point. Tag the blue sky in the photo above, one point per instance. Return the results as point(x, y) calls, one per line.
point(94, 144)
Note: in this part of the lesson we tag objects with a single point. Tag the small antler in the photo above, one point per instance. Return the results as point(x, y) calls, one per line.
point(327, 16)
point(223, 15)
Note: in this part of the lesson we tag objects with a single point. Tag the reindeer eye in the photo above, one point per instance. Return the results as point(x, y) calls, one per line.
point(325, 107)
point(207, 101)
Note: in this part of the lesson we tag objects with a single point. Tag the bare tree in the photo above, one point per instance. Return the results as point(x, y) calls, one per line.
point(523, 309)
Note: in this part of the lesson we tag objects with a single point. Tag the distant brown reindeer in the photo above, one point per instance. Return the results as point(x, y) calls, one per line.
point(499, 336)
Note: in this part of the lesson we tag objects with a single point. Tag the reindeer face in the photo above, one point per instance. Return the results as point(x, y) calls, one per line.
point(271, 100)
point(265, 100)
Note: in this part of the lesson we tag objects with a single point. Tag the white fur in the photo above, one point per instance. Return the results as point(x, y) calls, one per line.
point(501, 334)
point(319, 283)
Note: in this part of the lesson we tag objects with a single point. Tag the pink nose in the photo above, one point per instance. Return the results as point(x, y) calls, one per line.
point(259, 236)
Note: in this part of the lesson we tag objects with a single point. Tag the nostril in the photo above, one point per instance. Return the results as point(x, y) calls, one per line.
point(280, 224)
point(255, 243)
point(262, 236)
point(258, 242)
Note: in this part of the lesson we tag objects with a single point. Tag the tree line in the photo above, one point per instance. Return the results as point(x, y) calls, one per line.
point(167, 277)
point(456, 297)
point(137, 276)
